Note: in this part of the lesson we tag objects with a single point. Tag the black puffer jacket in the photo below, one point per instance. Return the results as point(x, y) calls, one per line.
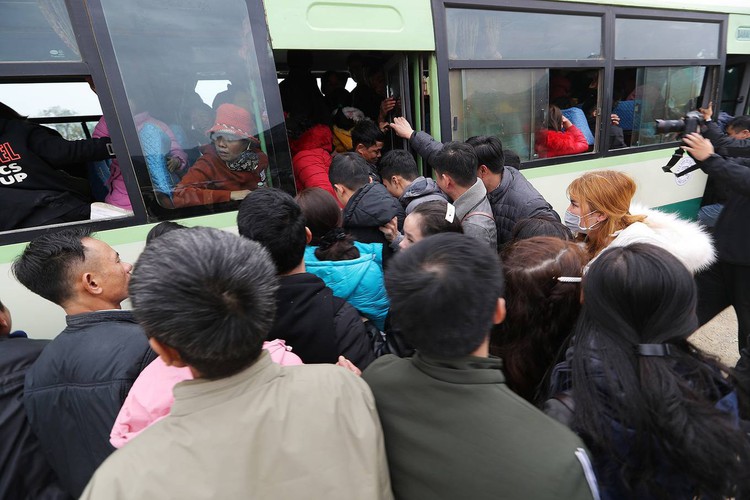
point(25, 470)
point(76, 388)
point(515, 199)
point(318, 325)
point(370, 207)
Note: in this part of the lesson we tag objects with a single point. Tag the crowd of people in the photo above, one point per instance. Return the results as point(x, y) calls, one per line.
point(384, 334)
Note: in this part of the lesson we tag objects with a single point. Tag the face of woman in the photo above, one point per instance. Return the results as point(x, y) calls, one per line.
point(412, 231)
point(587, 216)
point(229, 147)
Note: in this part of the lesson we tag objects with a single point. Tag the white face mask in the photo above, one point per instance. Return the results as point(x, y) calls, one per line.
point(573, 222)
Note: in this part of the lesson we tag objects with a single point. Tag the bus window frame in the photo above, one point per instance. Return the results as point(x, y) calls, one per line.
point(99, 63)
point(606, 64)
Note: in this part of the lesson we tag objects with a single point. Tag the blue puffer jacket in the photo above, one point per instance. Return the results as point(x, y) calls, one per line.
point(358, 281)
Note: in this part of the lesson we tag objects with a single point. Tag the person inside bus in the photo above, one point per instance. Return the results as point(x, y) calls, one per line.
point(452, 427)
point(76, 387)
point(367, 204)
point(602, 214)
point(301, 98)
point(543, 294)
point(367, 142)
point(559, 137)
point(344, 120)
point(319, 325)
point(26, 473)
point(245, 427)
point(370, 91)
point(353, 270)
point(230, 167)
point(42, 175)
point(333, 88)
point(634, 406)
point(311, 158)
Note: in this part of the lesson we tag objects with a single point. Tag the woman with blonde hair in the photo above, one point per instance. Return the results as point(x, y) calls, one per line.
point(602, 214)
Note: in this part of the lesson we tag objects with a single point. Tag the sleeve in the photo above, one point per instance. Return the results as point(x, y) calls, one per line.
point(195, 187)
point(351, 337)
point(313, 172)
point(733, 174)
point(425, 145)
point(175, 150)
point(725, 145)
point(572, 141)
point(59, 152)
point(479, 232)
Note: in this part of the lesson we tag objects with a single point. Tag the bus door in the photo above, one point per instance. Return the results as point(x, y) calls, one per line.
point(396, 72)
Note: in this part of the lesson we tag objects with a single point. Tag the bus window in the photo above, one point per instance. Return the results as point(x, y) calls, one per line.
point(175, 62)
point(36, 31)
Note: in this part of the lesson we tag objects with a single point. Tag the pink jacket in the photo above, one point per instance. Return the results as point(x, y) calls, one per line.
point(118, 195)
point(150, 398)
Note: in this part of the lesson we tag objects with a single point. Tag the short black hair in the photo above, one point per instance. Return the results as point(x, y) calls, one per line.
point(272, 218)
point(489, 152)
point(162, 228)
point(367, 133)
point(398, 162)
point(739, 123)
point(444, 292)
point(350, 170)
point(540, 226)
point(459, 161)
point(46, 264)
point(208, 294)
point(512, 159)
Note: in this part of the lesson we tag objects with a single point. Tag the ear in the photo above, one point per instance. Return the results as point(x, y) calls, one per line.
point(359, 149)
point(308, 235)
point(90, 284)
point(601, 217)
point(499, 315)
point(482, 171)
point(167, 354)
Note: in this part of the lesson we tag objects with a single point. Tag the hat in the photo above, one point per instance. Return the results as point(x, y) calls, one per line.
point(231, 119)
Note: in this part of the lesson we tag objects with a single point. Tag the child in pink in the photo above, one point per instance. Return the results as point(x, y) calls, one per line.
point(150, 398)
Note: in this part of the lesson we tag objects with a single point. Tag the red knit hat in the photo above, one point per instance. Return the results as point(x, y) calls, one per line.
point(232, 119)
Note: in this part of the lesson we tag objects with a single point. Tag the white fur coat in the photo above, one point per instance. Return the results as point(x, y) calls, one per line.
point(686, 240)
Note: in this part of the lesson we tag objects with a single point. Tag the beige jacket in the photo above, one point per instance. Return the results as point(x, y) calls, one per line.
point(292, 432)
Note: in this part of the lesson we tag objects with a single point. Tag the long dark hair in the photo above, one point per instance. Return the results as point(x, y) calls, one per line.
point(641, 294)
point(323, 217)
point(541, 310)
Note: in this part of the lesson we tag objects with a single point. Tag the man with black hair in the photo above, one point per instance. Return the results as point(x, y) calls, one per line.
point(25, 470)
point(401, 178)
point(245, 427)
point(511, 196)
point(319, 326)
point(367, 142)
point(453, 429)
point(76, 387)
point(456, 169)
point(367, 205)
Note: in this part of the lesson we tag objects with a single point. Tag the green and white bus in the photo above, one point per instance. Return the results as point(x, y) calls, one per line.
point(459, 67)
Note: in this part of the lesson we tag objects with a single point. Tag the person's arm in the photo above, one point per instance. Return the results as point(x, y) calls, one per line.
point(576, 141)
point(734, 174)
point(351, 337)
point(195, 188)
point(59, 152)
point(424, 144)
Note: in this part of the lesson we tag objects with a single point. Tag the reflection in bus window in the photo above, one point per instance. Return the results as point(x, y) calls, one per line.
point(176, 59)
point(36, 31)
point(658, 39)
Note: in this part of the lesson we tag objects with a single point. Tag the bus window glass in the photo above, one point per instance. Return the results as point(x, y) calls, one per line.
point(175, 58)
point(32, 31)
point(475, 34)
point(654, 93)
point(660, 39)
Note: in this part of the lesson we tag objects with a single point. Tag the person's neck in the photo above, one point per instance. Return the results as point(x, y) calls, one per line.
point(483, 351)
point(457, 192)
point(297, 270)
point(492, 181)
point(81, 306)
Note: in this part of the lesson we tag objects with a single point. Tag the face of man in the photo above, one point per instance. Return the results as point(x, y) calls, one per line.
point(371, 154)
point(738, 134)
point(5, 322)
point(111, 274)
point(393, 186)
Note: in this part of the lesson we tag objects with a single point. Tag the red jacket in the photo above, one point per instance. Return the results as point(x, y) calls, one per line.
point(312, 158)
point(209, 180)
point(550, 143)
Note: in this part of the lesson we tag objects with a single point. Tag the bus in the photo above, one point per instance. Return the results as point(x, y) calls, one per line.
point(459, 68)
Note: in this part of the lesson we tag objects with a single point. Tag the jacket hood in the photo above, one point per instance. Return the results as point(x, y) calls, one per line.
point(317, 137)
point(343, 276)
point(421, 186)
point(684, 239)
point(371, 206)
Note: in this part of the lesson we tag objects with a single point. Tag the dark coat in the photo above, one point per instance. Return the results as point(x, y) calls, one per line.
point(370, 207)
point(515, 199)
point(25, 470)
point(76, 388)
point(43, 176)
point(730, 233)
point(317, 325)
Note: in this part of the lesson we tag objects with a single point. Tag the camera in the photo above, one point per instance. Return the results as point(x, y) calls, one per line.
point(690, 123)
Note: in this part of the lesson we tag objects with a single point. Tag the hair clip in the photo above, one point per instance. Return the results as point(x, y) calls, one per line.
point(569, 279)
point(450, 212)
point(653, 349)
